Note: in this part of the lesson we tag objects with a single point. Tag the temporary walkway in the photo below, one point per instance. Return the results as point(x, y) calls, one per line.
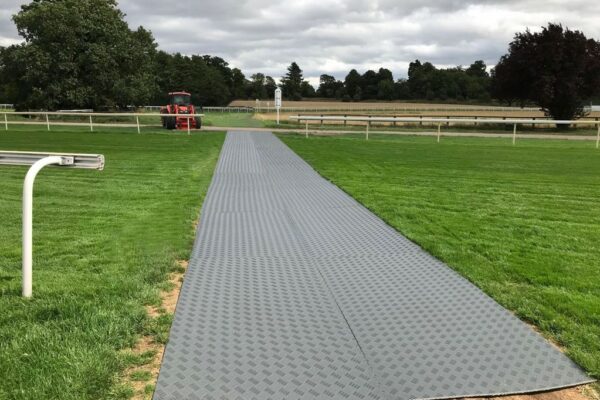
point(296, 291)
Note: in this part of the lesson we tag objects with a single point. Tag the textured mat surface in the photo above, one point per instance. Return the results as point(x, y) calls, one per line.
point(295, 291)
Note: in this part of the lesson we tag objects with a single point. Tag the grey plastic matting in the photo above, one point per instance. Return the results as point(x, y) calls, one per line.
point(295, 291)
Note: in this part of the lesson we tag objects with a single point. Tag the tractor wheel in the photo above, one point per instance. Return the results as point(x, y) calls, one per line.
point(198, 122)
point(171, 123)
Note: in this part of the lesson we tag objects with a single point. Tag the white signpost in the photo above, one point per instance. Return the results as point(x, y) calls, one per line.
point(278, 102)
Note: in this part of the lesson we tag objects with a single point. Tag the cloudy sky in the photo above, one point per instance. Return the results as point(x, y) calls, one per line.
point(333, 36)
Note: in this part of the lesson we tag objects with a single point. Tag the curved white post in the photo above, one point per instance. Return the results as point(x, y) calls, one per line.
point(28, 219)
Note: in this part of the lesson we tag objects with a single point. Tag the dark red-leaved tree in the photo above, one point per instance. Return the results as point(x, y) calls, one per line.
point(556, 68)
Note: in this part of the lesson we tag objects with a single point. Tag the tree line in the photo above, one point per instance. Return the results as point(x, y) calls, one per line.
point(82, 54)
point(425, 82)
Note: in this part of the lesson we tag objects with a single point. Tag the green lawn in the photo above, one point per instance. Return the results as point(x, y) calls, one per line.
point(104, 243)
point(232, 119)
point(522, 222)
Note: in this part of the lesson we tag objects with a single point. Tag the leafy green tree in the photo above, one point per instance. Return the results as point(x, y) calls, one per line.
point(257, 86)
point(270, 87)
point(238, 84)
point(557, 68)
point(353, 83)
point(358, 95)
point(291, 83)
point(369, 85)
point(478, 70)
point(329, 87)
point(307, 90)
point(402, 91)
point(207, 81)
point(78, 54)
point(386, 90)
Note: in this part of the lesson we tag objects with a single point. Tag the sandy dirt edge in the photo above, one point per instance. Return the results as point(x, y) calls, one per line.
point(144, 389)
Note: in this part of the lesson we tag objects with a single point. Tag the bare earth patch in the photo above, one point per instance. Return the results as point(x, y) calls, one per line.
point(143, 378)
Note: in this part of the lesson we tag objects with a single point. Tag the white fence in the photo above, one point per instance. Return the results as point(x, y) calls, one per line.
point(229, 109)
point(441, 121)
point(44, 119)
point(359, 108)
point(404, 109)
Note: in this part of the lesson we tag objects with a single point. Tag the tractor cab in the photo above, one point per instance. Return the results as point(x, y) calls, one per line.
point(179, 106)
point(180, 99)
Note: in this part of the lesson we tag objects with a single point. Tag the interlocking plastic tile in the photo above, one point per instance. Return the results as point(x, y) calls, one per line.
point(296, 291)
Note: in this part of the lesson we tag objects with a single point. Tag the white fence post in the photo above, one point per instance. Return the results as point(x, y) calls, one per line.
point(48, 122)
point(306, 129)
point(5, 122)
point(137, 120)
point(368, 125)
point(598, 137)
point(91, 125)
point(188, 124)
point(514, 134)
point(439, 132)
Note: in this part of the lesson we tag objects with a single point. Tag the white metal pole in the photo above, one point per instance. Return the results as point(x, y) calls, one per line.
point(28, 220)
point(91, 125)
point(277, 115)
point(5, 122)
point(48, 122)
point(514, 134)
point(368, 125)
point(306, 130)
point(439, 132)
point(188, 124)
point(137, 120)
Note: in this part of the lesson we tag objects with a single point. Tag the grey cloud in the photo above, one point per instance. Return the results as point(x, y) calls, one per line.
point(333, 36)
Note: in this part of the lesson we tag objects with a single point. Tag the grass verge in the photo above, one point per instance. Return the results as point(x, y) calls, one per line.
point(521, 222)
point(105, 244)
point(232, 119)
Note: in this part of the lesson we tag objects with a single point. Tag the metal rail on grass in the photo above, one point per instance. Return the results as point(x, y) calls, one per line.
point(439, 121)
point(37, 161)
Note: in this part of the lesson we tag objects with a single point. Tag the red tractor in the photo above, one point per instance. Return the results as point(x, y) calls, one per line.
point(180, 104)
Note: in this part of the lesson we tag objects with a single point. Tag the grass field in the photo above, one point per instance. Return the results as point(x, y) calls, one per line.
point(522, 223)
point(236, 120)
point(104, 244)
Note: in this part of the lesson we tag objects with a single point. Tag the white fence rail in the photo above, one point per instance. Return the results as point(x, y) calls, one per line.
point(229, 109)
point(270, 109)
point(44, 119)
point(440, 121)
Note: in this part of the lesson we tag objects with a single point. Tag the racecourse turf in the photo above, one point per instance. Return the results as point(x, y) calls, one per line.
point(104, 244)
point(521, 222)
